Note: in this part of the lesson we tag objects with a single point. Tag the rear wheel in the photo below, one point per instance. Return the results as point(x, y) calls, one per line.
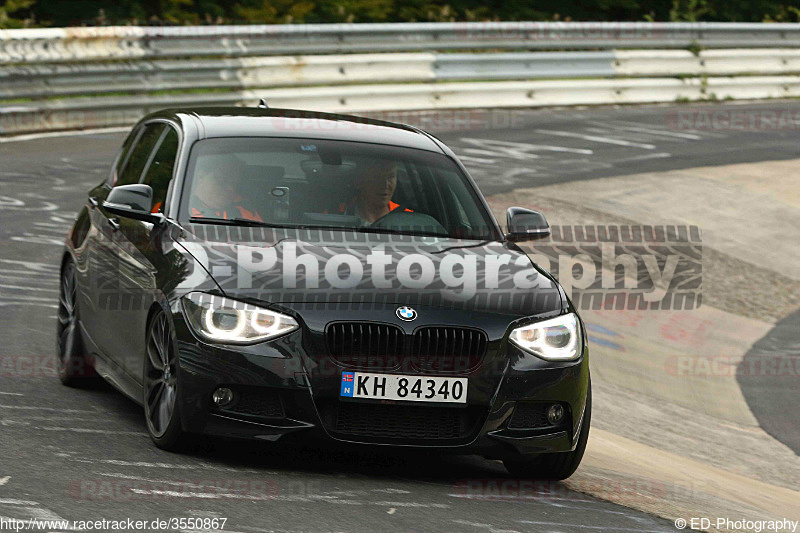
point(161, 385)
point(74, 365)
point(554, 465)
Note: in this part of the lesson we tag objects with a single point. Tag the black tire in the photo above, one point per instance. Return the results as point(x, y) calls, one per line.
point(161, 387)
point(554, 466)
point(75, 367)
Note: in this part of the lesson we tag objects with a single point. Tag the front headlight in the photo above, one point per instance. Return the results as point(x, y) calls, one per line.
point(556, 339)
point(220, 319)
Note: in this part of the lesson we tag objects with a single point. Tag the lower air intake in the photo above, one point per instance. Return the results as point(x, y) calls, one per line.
point(262, 403)
point(403, 422)
point(530, 416)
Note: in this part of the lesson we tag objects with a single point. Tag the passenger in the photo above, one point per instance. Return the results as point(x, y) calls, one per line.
point(376, 185)
point(218, 192)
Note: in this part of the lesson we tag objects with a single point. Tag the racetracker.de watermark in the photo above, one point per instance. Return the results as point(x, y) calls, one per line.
point(28, 121)
point(612, 490)
point(559, 32)
point(438, 120)
point(720, 366)
point(131, 489)
point(29, 366)
point(733, 118)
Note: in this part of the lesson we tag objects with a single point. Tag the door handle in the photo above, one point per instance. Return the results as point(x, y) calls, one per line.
point(114, 223)
point(93, 201)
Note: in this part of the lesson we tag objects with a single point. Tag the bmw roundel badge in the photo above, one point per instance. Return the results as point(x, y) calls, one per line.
point(406, 313)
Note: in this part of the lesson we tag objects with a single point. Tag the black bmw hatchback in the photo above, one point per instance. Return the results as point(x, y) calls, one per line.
point(278, 275)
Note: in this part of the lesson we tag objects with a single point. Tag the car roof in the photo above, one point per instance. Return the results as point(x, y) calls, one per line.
point(270, 122)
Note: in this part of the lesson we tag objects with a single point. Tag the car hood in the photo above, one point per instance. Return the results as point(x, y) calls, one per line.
point(297, 270)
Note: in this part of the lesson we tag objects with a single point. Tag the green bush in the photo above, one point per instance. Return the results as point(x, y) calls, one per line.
point(27, 13)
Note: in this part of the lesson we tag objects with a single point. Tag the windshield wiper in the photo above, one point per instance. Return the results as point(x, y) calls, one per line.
point(413, 233)
point(233, 222)
point(358, 229)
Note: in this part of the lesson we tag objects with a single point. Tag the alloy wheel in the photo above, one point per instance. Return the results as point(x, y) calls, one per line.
point(161, 379)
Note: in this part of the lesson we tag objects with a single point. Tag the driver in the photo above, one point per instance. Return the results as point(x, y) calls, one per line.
point(375, 184)
point(218, 191)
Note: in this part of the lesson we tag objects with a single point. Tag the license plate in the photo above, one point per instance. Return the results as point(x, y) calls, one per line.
point(404, 388)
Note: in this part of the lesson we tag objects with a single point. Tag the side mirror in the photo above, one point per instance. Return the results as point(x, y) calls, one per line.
point(132, 201)
point(526, 225)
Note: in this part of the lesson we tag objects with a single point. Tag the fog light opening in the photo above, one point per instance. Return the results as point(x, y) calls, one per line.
point(555, 413)
point(222, 397)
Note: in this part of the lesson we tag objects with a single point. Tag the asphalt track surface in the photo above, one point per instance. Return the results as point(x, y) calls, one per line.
point(74, 454)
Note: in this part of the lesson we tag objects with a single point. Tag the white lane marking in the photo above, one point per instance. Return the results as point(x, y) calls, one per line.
point(34, 136)
point(42, 513)
point(138, 478)
point(659, 155)
point(34, 266)
point(6, 422)
point(271, 530)
point(597, 139)
point(391, 511)
point(226, 495)
point(194, 495)
point(41, 277)
point(21, 288)
point(476, 160)
point(90, 430)
point(213, 531)
point(247, 497)
point(616, 133)
point(701, 135)
point(27, 277)
point(28, 419)
point(664, 133)
point(27, 302)
point(32, 408)
point(592, 505)
point(329, 496)
point(144, 464)
point(4, 480)
point(9, 501)
point(493, 148)
point(11, 394)
point(582, 526)
point(412, 504)
point(199, 466)
point(52, 275)
point(542, 498)
point(490, 527)
point(22, 298)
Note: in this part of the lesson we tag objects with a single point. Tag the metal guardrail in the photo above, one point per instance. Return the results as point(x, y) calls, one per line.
point(56, 80)
point(102, 43)
point(61, 80)
point(81, 77)
point(78, 113)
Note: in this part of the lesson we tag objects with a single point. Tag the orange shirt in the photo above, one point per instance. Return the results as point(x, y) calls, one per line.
point(392, 206)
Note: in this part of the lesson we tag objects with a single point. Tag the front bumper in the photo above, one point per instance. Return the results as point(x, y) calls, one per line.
point(285, 392)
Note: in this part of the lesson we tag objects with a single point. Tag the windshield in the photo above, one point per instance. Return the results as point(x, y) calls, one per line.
point(332, 184)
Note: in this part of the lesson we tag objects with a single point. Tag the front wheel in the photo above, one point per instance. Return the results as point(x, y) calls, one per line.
point(161, 385)
point(554, 466)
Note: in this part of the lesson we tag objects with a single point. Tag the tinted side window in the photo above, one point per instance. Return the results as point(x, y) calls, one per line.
point(138, 157)
point(159, 173)
point(122, 155)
